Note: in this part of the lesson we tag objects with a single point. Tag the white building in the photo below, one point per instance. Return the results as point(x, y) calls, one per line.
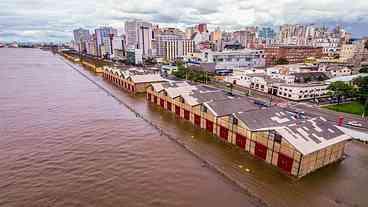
point(330, 45)
point(118, 47)
point(139, 35)
point(237, 59)
point(135, 56)
point(81, 36)
point(298, 92)
point(335, 70)
point(173, 46)
point(104, 35)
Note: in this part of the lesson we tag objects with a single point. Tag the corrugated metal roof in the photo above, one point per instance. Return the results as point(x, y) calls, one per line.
point(231, 105)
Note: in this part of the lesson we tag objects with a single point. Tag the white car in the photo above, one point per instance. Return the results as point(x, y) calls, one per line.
point(355, 123)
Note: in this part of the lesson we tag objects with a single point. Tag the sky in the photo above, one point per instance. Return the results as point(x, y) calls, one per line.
point(54, 20)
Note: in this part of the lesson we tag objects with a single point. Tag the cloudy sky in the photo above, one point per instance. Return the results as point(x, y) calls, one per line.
point(53, 20)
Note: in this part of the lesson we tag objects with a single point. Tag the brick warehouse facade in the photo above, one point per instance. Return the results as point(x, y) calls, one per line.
point(297, 147)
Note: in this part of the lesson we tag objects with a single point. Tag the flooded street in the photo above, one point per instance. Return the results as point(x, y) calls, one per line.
point(66, 142)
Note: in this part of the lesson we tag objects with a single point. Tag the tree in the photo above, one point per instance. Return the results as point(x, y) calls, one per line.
point(340, 89)
point(281, 61)
point(181, 72)
point(362, 84)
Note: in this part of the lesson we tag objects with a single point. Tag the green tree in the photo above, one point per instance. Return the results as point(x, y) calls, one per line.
point(340, 89)
point(181, 72)
point(362, 84)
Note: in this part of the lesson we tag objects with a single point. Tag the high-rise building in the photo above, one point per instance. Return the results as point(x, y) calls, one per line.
point(202, 28)
point(91, 45)
point(118, 47)
point(139, 35)
point(104, 37)
point(81, 36)
point(189, 31)
point(266, 33)
point(171, 44)
point(246, 38)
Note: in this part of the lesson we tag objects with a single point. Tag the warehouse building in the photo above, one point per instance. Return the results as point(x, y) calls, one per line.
point(132, 80)
point(294, 144)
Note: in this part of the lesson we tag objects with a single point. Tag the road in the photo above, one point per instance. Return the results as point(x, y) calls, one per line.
point(308, 108)
point(332, 116)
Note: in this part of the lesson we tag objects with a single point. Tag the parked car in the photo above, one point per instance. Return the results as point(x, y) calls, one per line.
point(354, 123)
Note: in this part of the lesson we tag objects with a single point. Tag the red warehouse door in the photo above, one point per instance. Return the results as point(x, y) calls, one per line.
point(169, 106)
point(162, 103)
point(209, 126)
point(155, 99)
point(260, 151)
point(177, 110)
point(149, 97)
point(224, 133)
point(240, 140)
point(197, 120)
point(186, 115)
point(284, 162)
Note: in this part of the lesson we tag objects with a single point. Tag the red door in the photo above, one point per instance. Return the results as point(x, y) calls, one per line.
point(155, 99)
point(224, 133)
point(162, 103)
point(209, 126)
point(169, 106)
point(260, 151)
point(284, 162)
point(149, 97)
point(197, 120)
point(240, 140)
point(186, 115)
point(177, 110)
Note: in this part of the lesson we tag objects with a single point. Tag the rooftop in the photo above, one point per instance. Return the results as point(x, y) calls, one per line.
point(306, 135)
point(231, 105)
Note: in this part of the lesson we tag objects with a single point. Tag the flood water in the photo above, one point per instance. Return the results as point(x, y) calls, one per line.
point(66, 142)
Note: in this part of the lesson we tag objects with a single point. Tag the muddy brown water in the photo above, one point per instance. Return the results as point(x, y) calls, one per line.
point(66, 142)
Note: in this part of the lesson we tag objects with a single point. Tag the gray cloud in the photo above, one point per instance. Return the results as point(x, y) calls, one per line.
point(51, 20)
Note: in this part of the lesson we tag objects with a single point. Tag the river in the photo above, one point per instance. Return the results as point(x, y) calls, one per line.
point(66, 142)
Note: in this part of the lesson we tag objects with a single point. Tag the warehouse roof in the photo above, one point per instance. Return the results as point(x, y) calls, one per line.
point(265, 118)
point(198, 96)
point(312, 135)
point(147, 78)
point(231, 105)
point(161, 86)
point(306, 135)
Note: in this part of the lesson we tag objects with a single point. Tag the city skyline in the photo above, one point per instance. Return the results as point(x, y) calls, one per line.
point(54, 22)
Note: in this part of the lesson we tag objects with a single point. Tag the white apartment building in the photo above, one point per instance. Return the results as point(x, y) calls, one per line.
point(299, 92)
point(241, 59)
point(335, 70)
point(118, 47)
point(173, 46)
point(139, 35)
point(330, 45)
point(104, 35)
